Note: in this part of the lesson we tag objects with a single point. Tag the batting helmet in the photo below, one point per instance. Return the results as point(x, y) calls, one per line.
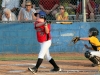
point(93, 31)
point(41, 14)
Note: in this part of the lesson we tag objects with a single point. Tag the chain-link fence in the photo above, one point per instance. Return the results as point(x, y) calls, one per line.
point(73, 8)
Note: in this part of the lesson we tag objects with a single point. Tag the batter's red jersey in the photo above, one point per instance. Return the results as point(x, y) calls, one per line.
point(42, 36)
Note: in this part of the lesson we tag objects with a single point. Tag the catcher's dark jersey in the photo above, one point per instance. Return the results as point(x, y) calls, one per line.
point(94, 42)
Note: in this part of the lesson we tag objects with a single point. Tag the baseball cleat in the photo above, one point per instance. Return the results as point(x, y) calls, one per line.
point(93, 65)
point(33, 70)
point(56, 69)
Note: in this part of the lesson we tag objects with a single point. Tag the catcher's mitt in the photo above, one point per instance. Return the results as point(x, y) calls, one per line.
point(75, 39)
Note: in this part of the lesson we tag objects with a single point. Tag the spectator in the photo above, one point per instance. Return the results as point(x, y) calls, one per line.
point(0, 15)
point(0, 11)
point(13, 5)
point(49, 6)
point(90, 9)
point(99, 9)
point(0, 3)
point(74, 4)
point(22, 3)
point(97, 6)
point(8, 15)
point(27, 13)
point(62, 14)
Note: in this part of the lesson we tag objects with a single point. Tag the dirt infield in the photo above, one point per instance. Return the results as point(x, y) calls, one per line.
point(69, 67)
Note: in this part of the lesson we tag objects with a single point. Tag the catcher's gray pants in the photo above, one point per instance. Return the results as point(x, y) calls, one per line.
point(95, 56)
point(95, 53)
point(44, 50)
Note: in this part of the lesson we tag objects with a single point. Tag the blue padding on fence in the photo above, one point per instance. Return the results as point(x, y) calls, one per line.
point(21, 37)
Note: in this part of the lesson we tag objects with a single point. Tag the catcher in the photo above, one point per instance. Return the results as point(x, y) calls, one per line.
point(93, 54)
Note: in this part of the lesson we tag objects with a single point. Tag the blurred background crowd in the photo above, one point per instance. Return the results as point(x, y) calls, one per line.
point(24, 10)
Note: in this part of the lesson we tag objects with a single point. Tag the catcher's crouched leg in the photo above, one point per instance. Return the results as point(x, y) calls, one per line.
point(87, 54)
point(91, 58)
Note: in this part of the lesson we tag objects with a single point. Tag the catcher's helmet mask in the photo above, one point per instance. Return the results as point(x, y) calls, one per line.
point(93, 31)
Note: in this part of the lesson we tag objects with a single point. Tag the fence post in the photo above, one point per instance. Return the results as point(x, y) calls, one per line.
point(84, 10)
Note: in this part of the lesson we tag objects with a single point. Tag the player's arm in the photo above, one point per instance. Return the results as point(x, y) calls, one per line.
point(86, 46)
point(46, 29)
point(85, 39)
point(40, 24)
point(76, 39)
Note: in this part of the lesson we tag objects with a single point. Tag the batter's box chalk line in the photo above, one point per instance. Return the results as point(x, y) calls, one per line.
point(63, 71)
point(71, 71)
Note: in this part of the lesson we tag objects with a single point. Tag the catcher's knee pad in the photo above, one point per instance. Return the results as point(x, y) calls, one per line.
point(94, 60)
point(87, 54)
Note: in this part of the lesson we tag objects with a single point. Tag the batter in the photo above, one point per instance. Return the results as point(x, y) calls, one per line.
point(44, 38)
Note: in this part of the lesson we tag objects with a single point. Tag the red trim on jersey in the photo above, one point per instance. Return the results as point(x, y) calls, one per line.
point(41, 34)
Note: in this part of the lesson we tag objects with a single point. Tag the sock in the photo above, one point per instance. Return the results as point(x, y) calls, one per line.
point(39, 61)
point(53, 63)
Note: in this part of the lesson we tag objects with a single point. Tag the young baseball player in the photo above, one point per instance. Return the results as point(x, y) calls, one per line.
point(94, 51)
point(44, 38)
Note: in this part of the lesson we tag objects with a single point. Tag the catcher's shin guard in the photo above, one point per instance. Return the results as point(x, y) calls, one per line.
point(92, 59)
point(98, 58)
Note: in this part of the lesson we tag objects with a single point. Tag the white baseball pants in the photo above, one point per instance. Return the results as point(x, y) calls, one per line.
point(95, 53)
point(44, 50)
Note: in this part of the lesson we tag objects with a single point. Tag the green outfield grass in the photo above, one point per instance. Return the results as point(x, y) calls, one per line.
point(5, 57)
point(34, 58)
point(70, 58)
